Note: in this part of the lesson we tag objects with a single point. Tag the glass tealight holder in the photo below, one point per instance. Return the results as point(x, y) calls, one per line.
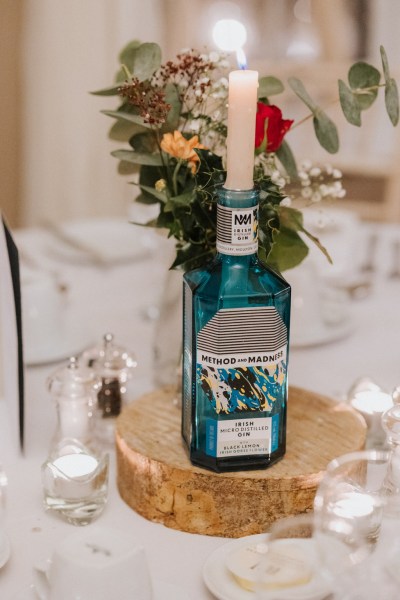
point(371, 401)
point(75, 482)
point(114, 366)
point(391, 426)
point(354, 489)
point(75, 474)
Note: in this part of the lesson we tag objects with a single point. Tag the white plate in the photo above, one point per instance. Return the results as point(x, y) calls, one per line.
point(111, 241)
point(221, 583)
point(73, 343)
point(5, 549)
point(319, 333)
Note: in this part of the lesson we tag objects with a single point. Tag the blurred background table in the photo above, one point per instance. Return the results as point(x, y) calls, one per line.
point(123, 297)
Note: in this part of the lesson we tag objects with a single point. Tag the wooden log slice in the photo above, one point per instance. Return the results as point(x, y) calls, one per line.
point(156, 479)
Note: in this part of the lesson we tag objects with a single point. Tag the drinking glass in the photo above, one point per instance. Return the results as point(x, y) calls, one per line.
point(303, 556)
point(354, 489)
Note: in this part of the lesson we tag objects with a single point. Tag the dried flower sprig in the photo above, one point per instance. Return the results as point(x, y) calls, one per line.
point(148, 99)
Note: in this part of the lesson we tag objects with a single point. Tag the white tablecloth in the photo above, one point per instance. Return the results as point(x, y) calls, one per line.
point(115, 299)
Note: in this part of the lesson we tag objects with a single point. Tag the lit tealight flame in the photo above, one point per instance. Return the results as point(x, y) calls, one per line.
point(230, 36)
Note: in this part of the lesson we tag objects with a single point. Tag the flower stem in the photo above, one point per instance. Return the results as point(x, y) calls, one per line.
point(174, 177)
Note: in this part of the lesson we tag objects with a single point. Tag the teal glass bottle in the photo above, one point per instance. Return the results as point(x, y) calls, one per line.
point(235, 349)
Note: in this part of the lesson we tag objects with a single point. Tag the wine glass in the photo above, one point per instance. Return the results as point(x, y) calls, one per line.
point(354, 489)
point(302, 557)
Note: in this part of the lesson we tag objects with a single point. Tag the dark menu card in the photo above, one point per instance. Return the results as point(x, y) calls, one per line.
point(11, 358)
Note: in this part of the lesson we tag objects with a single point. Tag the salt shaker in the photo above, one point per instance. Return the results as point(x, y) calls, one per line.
point(73, 388)
point(114, 367)
point(75, 474)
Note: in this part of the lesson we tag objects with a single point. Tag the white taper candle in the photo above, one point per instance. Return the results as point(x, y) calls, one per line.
point(242, 107)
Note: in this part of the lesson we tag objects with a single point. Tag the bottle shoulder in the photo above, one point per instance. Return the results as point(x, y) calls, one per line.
point(226, 272)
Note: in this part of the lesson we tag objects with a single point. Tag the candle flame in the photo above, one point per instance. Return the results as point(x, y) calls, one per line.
point(241, 58)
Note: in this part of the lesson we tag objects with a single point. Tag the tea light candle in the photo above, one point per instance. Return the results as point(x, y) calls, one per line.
point(372, 404)
point(242, 107)
point(72, 475)
point(76, 465)
point(354, 505)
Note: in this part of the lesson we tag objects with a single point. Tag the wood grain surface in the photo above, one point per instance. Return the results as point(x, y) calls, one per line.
point(156, 479)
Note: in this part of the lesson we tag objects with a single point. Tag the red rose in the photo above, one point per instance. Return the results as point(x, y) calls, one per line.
point(269, 121)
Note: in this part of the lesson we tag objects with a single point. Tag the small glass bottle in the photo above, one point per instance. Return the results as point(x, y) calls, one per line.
point(114, 367)
point(75, 474)
point(235, 353)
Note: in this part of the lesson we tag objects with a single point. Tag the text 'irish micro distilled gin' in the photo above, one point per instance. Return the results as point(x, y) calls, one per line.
point(235, 355)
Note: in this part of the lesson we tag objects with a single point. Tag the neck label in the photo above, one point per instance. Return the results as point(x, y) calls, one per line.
point(237, 230)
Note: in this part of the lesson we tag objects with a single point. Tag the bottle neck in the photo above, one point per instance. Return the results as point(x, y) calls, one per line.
point(237, 224)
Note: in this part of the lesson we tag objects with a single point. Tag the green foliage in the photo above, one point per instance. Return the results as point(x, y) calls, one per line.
point(288, 161)
point(324, 128)
point(391, 91)
point(326, 131)
point(138, 158)
point(269, 86)
point(350, 106)
point(187, 203)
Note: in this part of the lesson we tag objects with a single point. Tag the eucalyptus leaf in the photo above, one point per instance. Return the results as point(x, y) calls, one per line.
point(300, 91)
point(143, 142)
point(120, 76)
point(122, 131)
point(288, 250)
point(112, 90)
point(146, 60)
point(385, 64)
point(292, 218)
point(128, 53)
point(326, 132)
point(127, 168)
point(138, 158)
point(161, 196)
point(392, 101)
point(350, 107)
point(126, 116)
point(172, 98)
point(269, 86)
point(364, 80)
point(286, 157)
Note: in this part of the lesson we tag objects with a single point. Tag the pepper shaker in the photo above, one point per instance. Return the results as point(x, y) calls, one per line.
point(114, 367)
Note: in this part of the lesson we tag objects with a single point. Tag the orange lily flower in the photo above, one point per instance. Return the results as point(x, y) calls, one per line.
point(176, 145)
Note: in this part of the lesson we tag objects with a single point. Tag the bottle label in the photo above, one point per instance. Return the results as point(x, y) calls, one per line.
point(237, 230)
point(241, 368)
point(242, 436)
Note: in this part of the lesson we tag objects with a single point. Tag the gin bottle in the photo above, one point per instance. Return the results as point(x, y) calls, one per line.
point(235, 350)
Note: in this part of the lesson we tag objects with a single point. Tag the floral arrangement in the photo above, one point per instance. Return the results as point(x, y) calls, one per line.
point(173, 117)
